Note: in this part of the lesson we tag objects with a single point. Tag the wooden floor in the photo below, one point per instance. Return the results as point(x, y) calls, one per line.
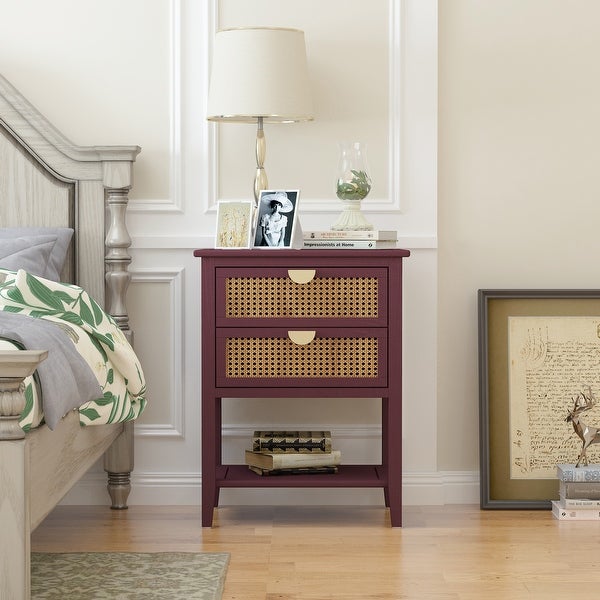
point(323, 553)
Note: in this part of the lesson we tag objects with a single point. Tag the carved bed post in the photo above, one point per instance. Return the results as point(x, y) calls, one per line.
point(117, 258)
point(117, 179)
point(14, 469)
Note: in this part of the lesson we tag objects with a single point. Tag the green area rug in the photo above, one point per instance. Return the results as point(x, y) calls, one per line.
point(135, 575)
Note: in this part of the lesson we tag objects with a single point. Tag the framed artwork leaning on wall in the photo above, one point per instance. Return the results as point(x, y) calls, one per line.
point(538, 350)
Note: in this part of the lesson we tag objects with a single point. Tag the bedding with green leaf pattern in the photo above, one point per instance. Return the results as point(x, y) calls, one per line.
point(97, 338)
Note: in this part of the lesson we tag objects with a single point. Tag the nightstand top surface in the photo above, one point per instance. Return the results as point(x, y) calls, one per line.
point(294, 253)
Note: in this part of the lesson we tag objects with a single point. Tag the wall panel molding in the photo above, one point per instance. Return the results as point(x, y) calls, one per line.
point(393, 204)
point(174, 203)
point(185, 242)
point(173, 277)
point(396, 79)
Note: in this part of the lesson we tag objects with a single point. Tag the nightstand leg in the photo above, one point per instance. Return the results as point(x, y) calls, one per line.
point(392, 458)
point(209, 494)
point(395, 506)
point(207, 513)
point(209, 458)
point(384, 446)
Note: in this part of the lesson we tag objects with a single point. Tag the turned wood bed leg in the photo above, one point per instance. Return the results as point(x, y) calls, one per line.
point(15, 559)
point(118, 463)
point(118, 459)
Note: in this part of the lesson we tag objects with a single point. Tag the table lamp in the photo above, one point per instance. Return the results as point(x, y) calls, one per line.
point(259, 75)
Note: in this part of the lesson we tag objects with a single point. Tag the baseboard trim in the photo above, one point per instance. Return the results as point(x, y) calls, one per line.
point(447, 487)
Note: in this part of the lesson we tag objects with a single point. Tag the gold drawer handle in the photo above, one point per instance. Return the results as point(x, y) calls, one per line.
point(301, 275)
point(302, 337)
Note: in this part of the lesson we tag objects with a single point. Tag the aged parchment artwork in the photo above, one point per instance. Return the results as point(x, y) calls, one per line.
point(551, 360)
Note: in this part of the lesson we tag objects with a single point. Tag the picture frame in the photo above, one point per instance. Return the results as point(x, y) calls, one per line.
point(235, 220)
point(276, 219)
point(536, 351)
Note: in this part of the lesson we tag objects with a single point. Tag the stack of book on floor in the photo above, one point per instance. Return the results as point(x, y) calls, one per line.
point(346, 239)
point(292, 453)
point(579, 493)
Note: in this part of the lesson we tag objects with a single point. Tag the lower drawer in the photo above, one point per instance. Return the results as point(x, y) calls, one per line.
point(320, 358)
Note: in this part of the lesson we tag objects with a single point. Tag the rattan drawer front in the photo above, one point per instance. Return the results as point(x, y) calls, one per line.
point(331, 294)
point(334, 357)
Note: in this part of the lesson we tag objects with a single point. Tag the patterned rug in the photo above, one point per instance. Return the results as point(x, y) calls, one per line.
point(128, 575)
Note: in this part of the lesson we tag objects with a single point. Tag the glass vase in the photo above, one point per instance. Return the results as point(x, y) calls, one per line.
point(353, 184)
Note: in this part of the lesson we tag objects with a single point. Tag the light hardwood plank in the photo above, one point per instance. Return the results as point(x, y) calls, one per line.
point(334, 553)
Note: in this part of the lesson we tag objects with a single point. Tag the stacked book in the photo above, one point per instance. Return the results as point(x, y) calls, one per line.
point(346, 239)
point(292, 453)
point(579, 493)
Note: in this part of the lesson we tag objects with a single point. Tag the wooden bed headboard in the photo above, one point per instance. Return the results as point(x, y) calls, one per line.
point(47, 181)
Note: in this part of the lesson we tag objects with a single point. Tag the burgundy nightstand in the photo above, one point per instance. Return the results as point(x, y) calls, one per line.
point(259, 311)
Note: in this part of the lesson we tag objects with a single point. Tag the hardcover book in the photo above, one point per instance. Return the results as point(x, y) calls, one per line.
point(344, 244)
point(333, 234)
point(574, 514)
point(305, 442)
point(294, 471)
point(572, 473)
point(580, 503)
point(579, 490)
point(285, 460)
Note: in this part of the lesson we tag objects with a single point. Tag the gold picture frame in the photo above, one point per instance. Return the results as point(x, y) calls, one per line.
point(522, 326)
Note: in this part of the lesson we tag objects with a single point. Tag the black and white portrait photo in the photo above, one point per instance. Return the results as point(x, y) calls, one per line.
point(276, 218)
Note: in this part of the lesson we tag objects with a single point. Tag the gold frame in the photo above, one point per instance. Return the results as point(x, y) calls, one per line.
point(497, 489)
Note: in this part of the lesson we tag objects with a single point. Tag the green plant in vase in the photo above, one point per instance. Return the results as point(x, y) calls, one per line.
point(355, 186)
point(352, 186)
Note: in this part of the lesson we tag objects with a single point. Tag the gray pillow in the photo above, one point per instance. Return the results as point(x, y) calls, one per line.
point(31, 253)
point(45, 257)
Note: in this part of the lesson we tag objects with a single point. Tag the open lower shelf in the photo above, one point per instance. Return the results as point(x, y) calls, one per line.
point(347, 476)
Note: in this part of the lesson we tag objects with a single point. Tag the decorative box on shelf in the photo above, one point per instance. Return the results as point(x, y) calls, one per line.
point(300, 324)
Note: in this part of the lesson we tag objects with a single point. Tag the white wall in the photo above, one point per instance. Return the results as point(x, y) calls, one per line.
point(519, 176)
point(136, 72)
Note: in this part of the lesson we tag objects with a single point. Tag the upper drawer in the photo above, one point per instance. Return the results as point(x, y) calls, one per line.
point(326, 295)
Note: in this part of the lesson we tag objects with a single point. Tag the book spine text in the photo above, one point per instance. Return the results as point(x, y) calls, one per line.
point(294, 442)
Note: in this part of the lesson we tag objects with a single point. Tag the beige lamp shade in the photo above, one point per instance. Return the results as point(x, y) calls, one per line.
point(259, 72)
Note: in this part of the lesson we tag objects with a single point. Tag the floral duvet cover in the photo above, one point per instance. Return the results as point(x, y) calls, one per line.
point(96, 337)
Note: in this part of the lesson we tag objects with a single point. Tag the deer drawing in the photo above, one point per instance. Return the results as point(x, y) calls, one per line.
point(589, 435)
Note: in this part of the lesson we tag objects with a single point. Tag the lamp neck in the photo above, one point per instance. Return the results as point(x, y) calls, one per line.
point(260, 179)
